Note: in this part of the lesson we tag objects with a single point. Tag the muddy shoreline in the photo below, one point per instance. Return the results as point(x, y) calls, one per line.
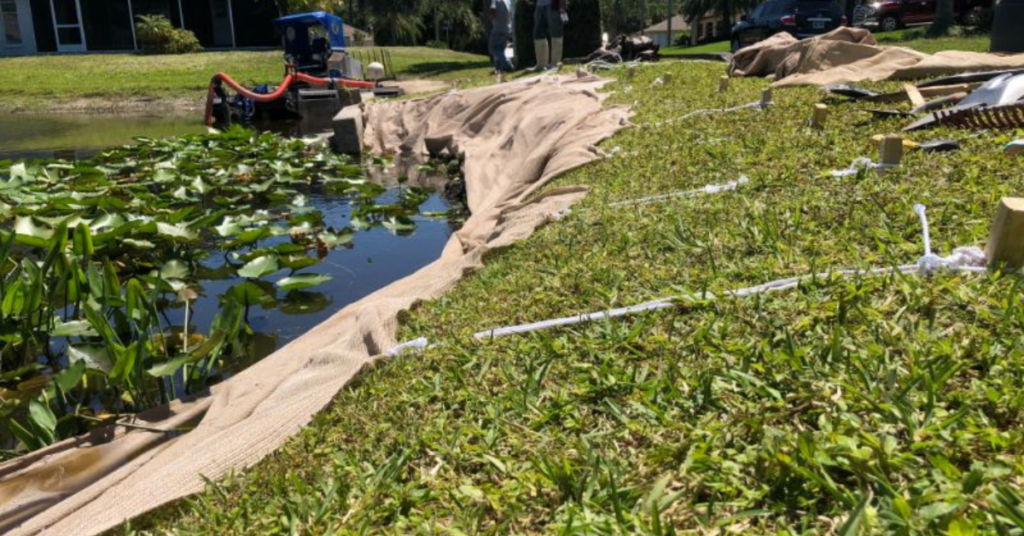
point(156, 105)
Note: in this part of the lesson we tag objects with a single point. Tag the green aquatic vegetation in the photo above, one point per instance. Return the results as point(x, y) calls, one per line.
point(102, 261)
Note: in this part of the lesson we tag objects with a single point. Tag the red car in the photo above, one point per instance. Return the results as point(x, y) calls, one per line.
point(889, 15)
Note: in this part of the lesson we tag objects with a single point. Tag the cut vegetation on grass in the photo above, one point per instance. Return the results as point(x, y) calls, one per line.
point(913, 38)
point(884, 404)
point(139, 83)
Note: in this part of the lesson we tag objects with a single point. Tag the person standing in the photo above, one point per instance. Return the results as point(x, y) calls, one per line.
point(549, 20)
point(501, 17)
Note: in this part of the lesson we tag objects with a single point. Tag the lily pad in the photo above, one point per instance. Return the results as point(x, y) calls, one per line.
point(301, 281)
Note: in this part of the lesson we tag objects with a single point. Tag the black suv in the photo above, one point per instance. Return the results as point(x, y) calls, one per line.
point(802, 18)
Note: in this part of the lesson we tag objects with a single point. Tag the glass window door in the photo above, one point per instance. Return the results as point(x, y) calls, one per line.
point(10, 24)
point(67, 21)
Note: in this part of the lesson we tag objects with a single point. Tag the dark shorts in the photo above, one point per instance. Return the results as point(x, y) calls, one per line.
point(547, 22)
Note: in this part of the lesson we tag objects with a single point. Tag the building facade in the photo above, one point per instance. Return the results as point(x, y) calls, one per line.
point(63, 26)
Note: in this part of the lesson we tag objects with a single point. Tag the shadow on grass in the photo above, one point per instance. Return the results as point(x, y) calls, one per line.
point(428, 69)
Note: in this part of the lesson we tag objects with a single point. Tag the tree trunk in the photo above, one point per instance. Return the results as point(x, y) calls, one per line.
point(437, 25)
point(1006, 25)
point(944, 18)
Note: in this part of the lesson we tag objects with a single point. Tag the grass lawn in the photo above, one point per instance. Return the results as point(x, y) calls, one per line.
point(45, 82)
point(888, 405)
point(707, 48)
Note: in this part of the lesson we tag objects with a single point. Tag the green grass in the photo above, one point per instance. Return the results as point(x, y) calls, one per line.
point(707, 48)
point(44, 82)
point(916, 38)
point(888, 405)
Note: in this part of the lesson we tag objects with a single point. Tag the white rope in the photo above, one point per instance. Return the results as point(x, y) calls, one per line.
point(710, 189)
point(705, 112)
point(859, 164)
point(965, 259)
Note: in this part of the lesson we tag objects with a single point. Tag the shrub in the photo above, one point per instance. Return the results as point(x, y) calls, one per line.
point(158, 36)
point(682, 39)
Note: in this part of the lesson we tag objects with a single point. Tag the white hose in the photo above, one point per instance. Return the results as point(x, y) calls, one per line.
point(963, 259)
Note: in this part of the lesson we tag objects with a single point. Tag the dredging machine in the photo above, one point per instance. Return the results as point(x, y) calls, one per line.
point(320, 74)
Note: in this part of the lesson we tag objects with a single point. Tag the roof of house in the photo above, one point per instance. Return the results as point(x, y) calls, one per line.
point(679, 24)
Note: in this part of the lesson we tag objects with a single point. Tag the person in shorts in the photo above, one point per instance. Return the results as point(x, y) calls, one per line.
point(501, 17)
point(549, 20)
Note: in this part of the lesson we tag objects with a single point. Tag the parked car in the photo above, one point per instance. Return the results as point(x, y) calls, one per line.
point(801, 18)
point(889, 15)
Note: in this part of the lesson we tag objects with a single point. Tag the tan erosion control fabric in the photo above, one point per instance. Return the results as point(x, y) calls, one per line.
point(849, 55)
point(516, 138)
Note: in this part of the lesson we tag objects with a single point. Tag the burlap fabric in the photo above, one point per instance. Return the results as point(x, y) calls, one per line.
point(849, 55)
point(515, 137)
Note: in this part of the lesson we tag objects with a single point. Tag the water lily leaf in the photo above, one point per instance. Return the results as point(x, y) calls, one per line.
point(248, 293)
point(200, 186)
point(94, 356)
point(174, 269)
point(177, 232)
point(288, 248)
point(333, 240)
point(30, 233)
point(106, 221)
point(251, 236)
point(298, 302)
point(301, 281)
point(259, 267)
point(140, 244)
point(400, 224)
point(359, 223)
point(228, 227)
point(298, 262)
point(19, 171)
point(75, 328)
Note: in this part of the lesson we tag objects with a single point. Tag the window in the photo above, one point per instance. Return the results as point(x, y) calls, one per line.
point(11, 24)
point(758, 12)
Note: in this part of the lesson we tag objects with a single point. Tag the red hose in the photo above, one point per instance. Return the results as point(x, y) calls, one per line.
point(259, 97)
point(277, 94)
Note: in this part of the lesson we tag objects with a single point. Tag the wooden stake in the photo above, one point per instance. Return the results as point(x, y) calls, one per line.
point(723, 84)
point(766, 98)
point(667, 78)
point(1005, 247)
point(914, 95)
point(891, 150)
point(631, 72)
point(820, 116)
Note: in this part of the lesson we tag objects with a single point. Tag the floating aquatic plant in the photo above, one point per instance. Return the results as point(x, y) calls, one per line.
point(97, 256)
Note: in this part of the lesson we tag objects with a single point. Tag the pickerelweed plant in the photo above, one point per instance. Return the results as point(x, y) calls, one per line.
point(101, 266)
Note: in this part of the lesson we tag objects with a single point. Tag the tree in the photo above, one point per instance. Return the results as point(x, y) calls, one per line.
point(300, 6)
point(944, 18)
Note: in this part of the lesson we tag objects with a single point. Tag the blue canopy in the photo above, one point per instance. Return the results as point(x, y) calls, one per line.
point(296, 35)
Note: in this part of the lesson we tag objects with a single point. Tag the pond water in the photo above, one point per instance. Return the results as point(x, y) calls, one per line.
point(71, 137)
point(206, 225)
point(375, 258)
point(78, 136)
